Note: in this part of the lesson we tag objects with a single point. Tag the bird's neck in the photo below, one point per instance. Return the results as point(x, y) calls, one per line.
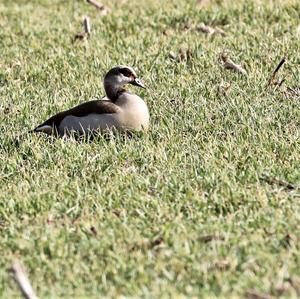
point(113, 91)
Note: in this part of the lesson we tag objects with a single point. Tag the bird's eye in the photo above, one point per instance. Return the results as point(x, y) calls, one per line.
point(126, 72)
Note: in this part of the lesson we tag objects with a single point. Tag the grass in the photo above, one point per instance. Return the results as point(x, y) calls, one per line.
point(190, 209)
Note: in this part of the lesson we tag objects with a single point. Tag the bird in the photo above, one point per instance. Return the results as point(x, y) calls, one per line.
point(119, 110)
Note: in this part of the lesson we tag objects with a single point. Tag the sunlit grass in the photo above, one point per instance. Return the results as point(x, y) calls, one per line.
point(190, 209)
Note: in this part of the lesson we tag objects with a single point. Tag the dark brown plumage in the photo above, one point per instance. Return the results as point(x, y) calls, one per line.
point(97, 106)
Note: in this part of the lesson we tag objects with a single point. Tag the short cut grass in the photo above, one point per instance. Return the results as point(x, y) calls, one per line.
point(199, 206)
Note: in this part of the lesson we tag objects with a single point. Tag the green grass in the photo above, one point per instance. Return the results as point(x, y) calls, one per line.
point(188, 209)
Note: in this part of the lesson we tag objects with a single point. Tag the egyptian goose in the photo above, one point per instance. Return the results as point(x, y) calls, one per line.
point(120, 109)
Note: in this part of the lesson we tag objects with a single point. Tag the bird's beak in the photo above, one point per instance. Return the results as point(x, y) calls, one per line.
point(138, 83)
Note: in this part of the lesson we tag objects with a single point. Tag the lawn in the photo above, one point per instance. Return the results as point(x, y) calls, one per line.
point(206, 204)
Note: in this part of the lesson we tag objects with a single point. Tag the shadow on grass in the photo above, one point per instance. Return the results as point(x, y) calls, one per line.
point(16, 141)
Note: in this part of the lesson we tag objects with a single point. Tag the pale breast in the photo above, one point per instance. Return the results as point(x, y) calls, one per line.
point(135, 113)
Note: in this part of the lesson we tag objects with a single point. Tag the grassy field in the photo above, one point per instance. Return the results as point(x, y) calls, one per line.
point(204, 205)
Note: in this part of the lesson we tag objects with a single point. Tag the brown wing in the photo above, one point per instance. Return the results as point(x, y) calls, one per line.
point(97, 107)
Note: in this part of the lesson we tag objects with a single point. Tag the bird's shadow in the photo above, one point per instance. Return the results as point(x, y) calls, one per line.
point(108, 136)
point(80, 138)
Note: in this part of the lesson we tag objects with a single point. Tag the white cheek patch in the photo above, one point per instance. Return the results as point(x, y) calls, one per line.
point(45, 129)
point(125, 80)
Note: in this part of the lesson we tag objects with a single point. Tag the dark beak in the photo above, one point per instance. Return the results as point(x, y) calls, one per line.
point(138, 83)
